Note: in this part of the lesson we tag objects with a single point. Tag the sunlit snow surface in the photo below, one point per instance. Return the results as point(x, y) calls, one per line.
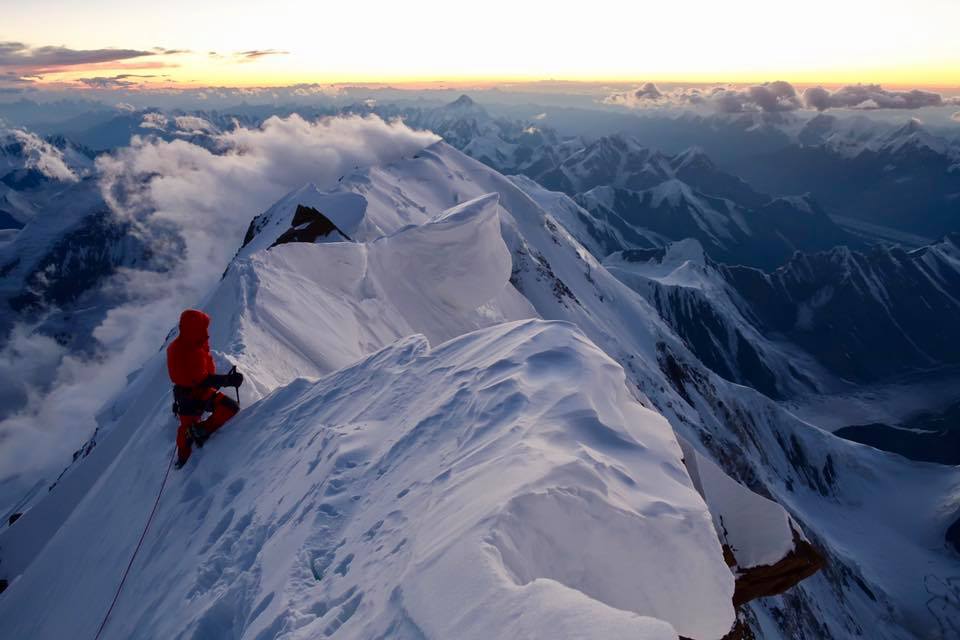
point(502, 484)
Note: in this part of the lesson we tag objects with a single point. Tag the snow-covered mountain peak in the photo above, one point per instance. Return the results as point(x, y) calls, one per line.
point(681, 263)
point(693, 156)
point(24, 151)
point(674, 192)
point(464, 102)
point(912, 134)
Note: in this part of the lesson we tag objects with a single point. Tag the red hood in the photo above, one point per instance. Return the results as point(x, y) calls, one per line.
point(193, 326)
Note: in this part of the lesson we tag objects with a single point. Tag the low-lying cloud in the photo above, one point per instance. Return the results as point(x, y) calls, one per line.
point(206, 199)
point(768, 97)
point(871, 96)
point(777, 96)
point(120, 81)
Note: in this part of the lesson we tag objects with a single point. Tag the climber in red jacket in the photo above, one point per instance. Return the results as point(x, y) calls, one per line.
point(196, 384)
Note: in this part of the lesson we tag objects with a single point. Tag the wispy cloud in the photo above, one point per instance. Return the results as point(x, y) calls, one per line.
point(121, 81)
point(11, 80)
point(17, 55)
point(24, 61)
point(254, 54)
point(170, 52)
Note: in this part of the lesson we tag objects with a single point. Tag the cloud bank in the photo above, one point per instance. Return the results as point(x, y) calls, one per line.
point(778, 96)
point(768, 97)
point(871, 96)
point(205, 199)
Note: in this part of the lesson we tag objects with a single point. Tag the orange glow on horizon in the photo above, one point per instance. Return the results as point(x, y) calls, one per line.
point(433, 43)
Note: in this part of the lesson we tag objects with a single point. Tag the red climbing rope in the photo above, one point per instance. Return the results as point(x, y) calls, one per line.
point(143, 535)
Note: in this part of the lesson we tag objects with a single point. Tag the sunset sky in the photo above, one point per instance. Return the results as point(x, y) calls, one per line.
point(282, 42)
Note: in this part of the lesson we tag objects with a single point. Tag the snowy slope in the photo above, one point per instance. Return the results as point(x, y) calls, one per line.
point(423, 491)
point(752, 438)
point(543, 390)
point(33, 171)
point(386, 501)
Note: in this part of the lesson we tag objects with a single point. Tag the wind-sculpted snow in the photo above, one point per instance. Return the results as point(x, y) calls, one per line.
point(504, 484)
point(306, 309)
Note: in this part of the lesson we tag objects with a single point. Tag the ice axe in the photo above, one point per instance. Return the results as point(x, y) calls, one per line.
point(236, 390)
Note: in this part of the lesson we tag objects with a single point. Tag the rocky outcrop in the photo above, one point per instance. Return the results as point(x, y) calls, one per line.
point(800, 563)
point(762, 544)
point(309, 225)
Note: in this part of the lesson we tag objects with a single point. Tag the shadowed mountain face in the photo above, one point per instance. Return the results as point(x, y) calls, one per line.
point(907, 179)
point(648, 198)
point(764, 236)
point(823, 321)
point(863, 315)
point(8, 221)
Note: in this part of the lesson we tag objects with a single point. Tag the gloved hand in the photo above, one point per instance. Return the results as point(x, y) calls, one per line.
point(234, 379)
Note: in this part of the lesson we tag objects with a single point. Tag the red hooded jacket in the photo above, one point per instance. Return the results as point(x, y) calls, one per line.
point(188, 357)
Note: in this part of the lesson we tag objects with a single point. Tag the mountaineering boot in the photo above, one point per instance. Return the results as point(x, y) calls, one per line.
point(199, 435)
point(181, 460)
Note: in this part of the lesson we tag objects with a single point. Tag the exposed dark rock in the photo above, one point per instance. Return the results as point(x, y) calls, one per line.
point(308, 225)
point(769, 580)
point(541, 270)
